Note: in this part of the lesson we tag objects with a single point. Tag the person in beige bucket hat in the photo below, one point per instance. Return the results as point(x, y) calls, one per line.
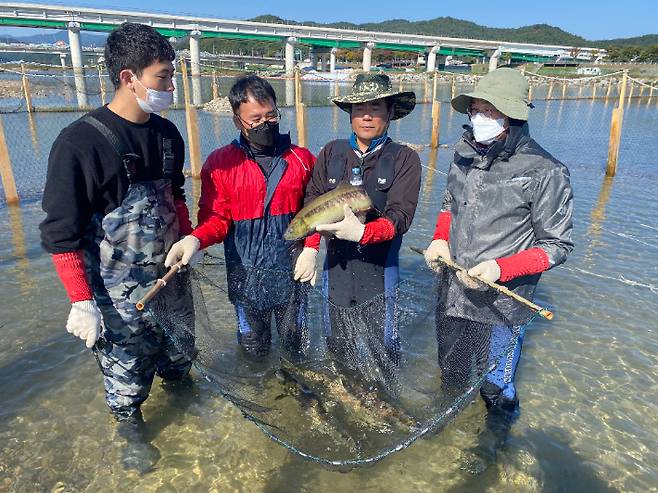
point(506, 216)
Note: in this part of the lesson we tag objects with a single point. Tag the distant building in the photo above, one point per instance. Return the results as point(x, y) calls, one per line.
point(588, 71)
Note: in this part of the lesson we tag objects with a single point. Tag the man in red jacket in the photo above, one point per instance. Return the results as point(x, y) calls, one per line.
point(250, 191)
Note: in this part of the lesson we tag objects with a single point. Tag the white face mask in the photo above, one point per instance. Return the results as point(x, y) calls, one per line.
point(485, 129)
point(156, 101)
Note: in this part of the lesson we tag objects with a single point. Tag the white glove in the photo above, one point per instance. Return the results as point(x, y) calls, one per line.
point(85, 321)
point(349, 229)
point(436, 249)
point(489, 270)
point(185, 250)
point(305, 266)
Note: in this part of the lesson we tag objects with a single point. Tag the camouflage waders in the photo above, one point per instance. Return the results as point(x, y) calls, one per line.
point(124, 257)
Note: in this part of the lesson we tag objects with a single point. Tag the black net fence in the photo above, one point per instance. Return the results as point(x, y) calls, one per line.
point(340, 385)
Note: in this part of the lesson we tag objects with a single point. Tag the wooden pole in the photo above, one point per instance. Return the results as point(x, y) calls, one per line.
point(564, 89)
point(609, 90)
point(436, 123)
point(434, 84)
point(191, 123)
point(615, 129)
point(6, 172)
point(454, 87)
point(529, 93)
point(301, 124)
point(159, 284)
point(298, 87)
point(401, 84)
point(26, 89)
point(215, 89)
point(550, 90)
point(580, 88)
point(101, 82)
point(547, 314)
point(631, 89)
point(650, 93)
point(593, 89)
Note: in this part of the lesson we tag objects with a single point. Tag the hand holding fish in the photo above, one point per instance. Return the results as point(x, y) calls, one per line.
point(349, 229)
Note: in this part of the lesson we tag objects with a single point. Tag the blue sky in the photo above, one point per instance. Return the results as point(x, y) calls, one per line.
point(592, 19)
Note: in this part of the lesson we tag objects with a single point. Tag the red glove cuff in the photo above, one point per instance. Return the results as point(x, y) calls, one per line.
point(442, 229)
point(313, 241)
point(70, 268)
point(525, 263)
point(183, 214)
point(376, 231)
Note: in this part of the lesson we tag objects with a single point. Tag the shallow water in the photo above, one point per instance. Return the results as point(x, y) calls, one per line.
point(587, 380)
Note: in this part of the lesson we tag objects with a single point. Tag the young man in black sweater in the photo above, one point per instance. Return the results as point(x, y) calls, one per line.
point(114, 205)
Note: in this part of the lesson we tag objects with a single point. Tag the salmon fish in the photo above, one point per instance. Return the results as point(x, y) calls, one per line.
point(327, 209)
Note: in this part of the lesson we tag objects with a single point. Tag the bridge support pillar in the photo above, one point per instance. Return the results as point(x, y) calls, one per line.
point(76, 60)
point(332, 60)
point(367, 55)
point(313, 57)
point(431, 58)
point(493, 61)
point(195, 67)
point(290, 56)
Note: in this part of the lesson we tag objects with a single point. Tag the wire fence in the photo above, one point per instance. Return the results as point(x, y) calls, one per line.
point(39, 100)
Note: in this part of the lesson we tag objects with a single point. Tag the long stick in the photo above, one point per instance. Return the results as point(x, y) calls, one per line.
point(159, 284)
point(547, 314)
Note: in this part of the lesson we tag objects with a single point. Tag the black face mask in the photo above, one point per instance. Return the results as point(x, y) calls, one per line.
point(263, 135)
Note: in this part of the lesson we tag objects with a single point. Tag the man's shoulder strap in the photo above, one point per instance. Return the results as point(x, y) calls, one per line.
point(337, 162)
point(386, 165)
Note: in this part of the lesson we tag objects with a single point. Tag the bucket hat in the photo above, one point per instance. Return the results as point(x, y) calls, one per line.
point(505, 88)
point(369, 87)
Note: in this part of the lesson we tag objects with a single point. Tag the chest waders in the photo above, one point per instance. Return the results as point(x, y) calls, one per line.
point(124, 256)
point(258, 293)
point(363, 275)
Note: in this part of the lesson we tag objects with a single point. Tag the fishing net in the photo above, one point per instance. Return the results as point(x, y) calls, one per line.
point(343, 386)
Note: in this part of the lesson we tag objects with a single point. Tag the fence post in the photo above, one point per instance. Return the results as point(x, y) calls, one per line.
point(550, 91)
point(615, 129)
point(6, 173)
point(298, 87)
point(101, 82)
point(434, 84)
point(191, 124)
point(631, 89)
point(436, 124)
point(564, 89)
point(609, 90)
point(215, 89)
point(529, 92)
point(301, 124)
point(26, 89)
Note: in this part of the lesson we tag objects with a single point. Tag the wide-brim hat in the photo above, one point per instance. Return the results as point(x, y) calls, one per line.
point(369, 87)
point(505, 88)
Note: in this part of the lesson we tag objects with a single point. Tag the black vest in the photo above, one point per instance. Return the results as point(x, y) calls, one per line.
point(378, 182)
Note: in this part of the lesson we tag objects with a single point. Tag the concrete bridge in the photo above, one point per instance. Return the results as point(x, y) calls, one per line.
point(324, 41)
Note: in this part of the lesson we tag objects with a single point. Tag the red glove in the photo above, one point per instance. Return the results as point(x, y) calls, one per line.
point(70, 268)
point(525, 263)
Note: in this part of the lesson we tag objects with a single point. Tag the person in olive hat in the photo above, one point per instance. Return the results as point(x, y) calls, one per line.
point(507, 217)
point(362, 259)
